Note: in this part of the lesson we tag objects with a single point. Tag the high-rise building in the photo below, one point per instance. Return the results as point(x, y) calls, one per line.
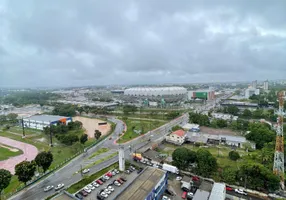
point(254, 84)
point(265, 85)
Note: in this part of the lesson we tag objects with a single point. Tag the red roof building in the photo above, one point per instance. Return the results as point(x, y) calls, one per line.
point(179, 133)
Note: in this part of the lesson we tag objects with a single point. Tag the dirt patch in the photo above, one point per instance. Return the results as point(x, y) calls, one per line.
point(90, 125)
point(215, 131)
point(9, 148)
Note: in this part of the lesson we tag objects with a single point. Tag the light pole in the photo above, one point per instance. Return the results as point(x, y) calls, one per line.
point(23, 128)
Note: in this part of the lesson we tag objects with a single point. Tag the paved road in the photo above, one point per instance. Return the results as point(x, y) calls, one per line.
point(67, 174)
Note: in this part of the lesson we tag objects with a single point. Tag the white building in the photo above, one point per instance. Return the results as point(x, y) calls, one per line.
point(191, 127)
point(178, 137)
point(254, 84)
point(41, 121)
point(265, 85)
point(223, 116)
point(218, 192)
point(251, 91)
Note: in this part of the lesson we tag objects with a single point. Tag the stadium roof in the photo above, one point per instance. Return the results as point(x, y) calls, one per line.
point(142, 185)
point(45, 118)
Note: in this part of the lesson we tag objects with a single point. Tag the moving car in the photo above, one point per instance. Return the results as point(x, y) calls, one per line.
point(85, 171)
point(240, 191)
point(48, 188)
point(59, 186)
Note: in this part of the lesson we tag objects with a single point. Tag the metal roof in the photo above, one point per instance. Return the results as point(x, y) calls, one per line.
point(201, 195)
point(142, 185)
point(218, 192)
point(45, 118)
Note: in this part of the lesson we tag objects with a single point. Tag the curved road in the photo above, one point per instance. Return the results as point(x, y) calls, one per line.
point(67, 174)
point(29, 153)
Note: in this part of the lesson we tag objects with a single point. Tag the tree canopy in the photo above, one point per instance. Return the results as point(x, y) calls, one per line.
point(183, 157)
point(25, 170)
point(44, 160)
point(83, 138)
point(200, 119)
point(206, 163)
point(233, 155)
point(5, 178)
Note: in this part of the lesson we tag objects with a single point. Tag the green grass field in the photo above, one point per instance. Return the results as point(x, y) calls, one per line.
point(98, 152)
point(6, 153)
point(139, 125)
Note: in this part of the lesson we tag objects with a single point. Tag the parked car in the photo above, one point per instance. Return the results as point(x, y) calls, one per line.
point(240, 191)
point(79, 196)
point(116, 183)
point(184, 195)
point(109, 174)
point(140, 170)
point(228, 188)
point(165, 198)
point(106, 177)
point(99, 182)
point(195, 178)
point(190, 195)
point(48, 188)
point(59, 186)
point(113, 173)
point(127, 171)
point(110, 188)
point(104, 194)
point(95, 184)
point(123, 179)
point(91, 187)
point(102, 179)
point(116, 171)
point(178, 178)
point(87, 189)
point(120, 181)
point(83, 193)
point(99, 197)
point(85, 171)
point(107, 191)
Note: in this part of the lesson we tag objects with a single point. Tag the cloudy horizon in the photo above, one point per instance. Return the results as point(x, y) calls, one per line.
point(107, 42)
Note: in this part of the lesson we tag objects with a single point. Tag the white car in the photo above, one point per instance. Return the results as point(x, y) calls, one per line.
point(85, 171)
point(116, 183)
point(107, 191)
point(116, 171)
point(165, 198)
point(240, 191)
point(87, 190)
point(48, 188)
point(178, 178)
point(95, 184)
point(106, 177)
point(110, 188)
point(59, 186)
point(104, 194)
point(91, 187)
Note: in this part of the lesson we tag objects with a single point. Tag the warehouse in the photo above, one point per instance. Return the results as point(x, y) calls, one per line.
point(41, 121)
point(218, 192)
point(149, 185)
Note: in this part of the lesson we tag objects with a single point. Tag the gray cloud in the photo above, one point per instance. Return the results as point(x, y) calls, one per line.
point(72, 42)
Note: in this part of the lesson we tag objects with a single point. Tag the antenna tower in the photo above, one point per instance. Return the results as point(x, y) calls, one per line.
point(278, 165)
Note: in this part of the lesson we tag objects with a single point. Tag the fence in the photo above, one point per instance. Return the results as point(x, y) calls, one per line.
point(35, 179)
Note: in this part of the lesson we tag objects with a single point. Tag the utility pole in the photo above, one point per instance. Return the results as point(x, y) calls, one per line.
point(51, 138)
point(22, 121)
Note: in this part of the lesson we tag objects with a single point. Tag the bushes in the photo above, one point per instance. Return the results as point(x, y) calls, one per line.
point(67, 139)
point(233, 155)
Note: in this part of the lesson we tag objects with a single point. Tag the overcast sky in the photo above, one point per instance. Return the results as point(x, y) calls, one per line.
point(103, 42)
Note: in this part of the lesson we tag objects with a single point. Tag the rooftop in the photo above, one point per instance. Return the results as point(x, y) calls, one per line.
point(201, 195)
point(218, 191)
point(179, 133)
point(46, 118)
point(142, 185)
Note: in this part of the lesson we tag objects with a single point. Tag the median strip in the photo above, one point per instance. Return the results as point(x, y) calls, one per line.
point(101, 160)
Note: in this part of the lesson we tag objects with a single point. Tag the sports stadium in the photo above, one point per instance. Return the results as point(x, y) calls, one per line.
point(169, 94)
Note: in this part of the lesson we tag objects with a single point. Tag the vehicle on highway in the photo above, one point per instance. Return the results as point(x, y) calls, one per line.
point(240, 191)
point(48, 188)
point(59, 186)
point(85, 171)
point(178, 178)
point(91, 187)
point(87, 189)
point(99, 182)
point(79, 196)
point(116, 183)
point(83, 193)
point(229, 188)
point(110, 188)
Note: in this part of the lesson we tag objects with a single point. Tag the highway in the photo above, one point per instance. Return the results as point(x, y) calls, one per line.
point(68, 175)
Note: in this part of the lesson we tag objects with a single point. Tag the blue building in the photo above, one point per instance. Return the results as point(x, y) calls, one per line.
point(149, 185)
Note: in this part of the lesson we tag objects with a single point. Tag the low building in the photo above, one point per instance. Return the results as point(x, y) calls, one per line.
point(191, 127)
point(41, 121)
point(218, 192)
point(223, 116)
point(178, 137)
point(251, 91)
point(201, 195)
point(149, 185)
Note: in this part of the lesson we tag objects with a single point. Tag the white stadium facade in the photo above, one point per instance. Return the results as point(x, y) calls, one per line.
point(169, 94)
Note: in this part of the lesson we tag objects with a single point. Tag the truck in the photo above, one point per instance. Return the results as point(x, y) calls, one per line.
point(170, 168)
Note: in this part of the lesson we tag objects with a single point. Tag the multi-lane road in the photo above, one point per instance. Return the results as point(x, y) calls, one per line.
point(68, 174)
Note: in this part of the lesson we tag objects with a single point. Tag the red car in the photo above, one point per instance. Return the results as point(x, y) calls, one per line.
point(195, 178)
point(120, 181)
point(99, 182)
point(83, 193)
point(184, 195)
point(109, 174)
point(228, 188)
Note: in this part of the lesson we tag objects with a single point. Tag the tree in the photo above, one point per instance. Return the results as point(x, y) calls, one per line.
point(25, 171)
point(44, 160)
point(206, 163)
point(229, 175)
point(129, 108)
point(246, 113)
point(97, 134)
point(183, 157)
point(83, 138)
point(233, 110)
point(172, 115)
point(200, 119)
point(233, 155)
point(221, 123)
point(5, 178)
point(175, 128)
point(12, 117)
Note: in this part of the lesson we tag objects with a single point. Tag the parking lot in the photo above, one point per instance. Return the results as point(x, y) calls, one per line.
point(117, 189)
